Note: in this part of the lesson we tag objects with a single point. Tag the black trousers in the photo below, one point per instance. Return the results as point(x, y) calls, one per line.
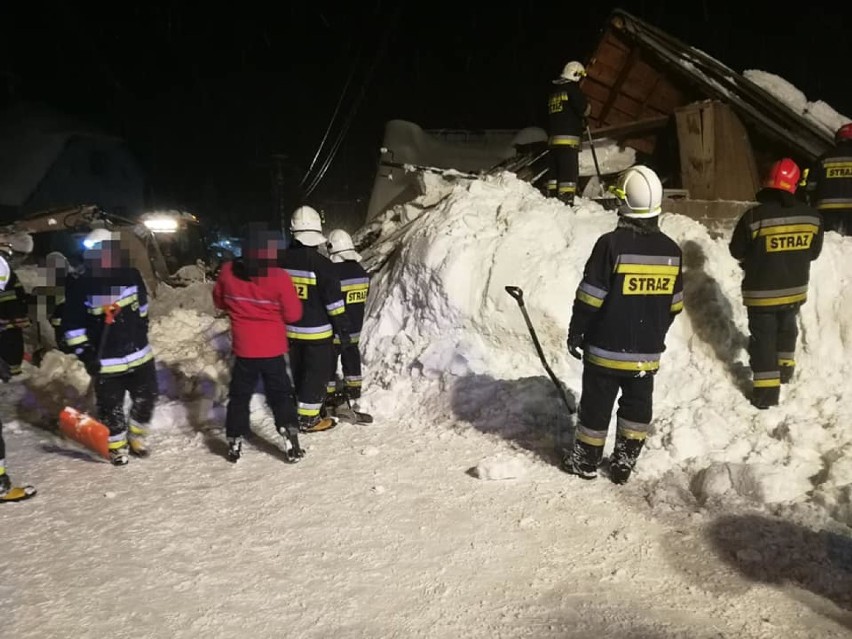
point(771, 351)
point(350, 361)
point(276, 385)
point(110, 391)
point(564, 171)
point(635, 406)
point(311, 365)
point(12, 348)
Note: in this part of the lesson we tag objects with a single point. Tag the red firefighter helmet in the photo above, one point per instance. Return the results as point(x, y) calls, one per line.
point(843, 133)
point(784, 175)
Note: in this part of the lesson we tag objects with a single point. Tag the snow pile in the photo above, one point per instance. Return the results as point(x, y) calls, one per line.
point(819, 112)
point(196, 296)
point(443, 340)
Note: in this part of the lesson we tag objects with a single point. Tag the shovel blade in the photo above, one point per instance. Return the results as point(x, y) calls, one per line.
point(85, 430)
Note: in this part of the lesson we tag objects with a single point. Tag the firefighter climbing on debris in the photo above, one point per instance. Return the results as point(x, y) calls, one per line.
point(567, 108)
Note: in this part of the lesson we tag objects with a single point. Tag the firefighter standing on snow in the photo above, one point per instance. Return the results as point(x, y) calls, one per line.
point(829, 183)
point(260, 300)
point(355, 286)
point(105, 319)
point(567, 108)
point(632, 288)
point(323, 316)
point(14, 317)
point(775, 243)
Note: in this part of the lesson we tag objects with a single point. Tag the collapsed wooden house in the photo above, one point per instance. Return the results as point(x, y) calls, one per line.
point(708, 131)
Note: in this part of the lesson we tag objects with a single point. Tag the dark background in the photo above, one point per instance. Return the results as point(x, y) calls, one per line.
point(206, 94)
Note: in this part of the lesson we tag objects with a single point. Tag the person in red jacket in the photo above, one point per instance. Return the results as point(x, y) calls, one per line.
point(260, 300)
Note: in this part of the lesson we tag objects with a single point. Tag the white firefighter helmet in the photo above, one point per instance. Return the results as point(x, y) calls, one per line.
point(640, 192)
point(5, 273)
point(98, 236)
point(341, 248)
point(306, 225)
point(573, 71)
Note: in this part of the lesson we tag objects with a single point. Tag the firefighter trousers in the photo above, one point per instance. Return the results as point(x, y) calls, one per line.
point(110, 391)
point(311, 366)
point(564, 172)
point(772, 352)
point(635, 409)
point(276, 386)
point(12, 348)
point(839, 221)
point(349, 358)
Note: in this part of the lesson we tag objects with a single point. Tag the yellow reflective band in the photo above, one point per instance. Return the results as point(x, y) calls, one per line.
point(310, 336)
point(677, 307)
point(127, 301)
point(637, 435)
point(76, 340)
point(621, 365)
point(338, 311)
point(137, 430)
point(767, 383)
point(355, 287)
point(786, 362)
point(591, 441)
point(353, 384)
point(836, 205)
point(647, 269)
point(121, 443)
point(120, 368)
point(589, 299)
point(788, 228)
point(775, 301)
point(308, 412)
point(310, 281)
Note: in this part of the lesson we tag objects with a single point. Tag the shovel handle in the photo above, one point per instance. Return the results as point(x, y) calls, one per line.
point(516, 292)
point(110, 311)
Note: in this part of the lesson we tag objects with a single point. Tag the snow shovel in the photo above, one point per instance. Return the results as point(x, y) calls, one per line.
point(517, 293)
point(79, 426)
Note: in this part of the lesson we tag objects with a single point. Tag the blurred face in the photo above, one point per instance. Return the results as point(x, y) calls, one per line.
point(105, 255)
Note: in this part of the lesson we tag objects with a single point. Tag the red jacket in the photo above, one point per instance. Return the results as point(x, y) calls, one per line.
point(259, 308)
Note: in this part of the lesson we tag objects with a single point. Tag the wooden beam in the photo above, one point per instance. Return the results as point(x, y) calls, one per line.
point(617, 131)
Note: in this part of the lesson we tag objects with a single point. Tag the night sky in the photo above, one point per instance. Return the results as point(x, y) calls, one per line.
point(205, 95)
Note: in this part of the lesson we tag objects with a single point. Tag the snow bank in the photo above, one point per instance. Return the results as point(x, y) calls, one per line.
point(444, 342)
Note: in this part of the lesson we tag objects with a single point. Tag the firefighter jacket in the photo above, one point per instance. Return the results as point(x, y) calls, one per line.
point(567, 109)
point(259, 307)
point(13, 305)
point(90, 300)
point(355, 286)
point(775, 243)
point(830, 179)
point(631, 290)
point(317, 285)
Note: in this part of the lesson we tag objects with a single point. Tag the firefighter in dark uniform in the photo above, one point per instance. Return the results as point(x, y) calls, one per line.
point(59, 277)
point(632, 288)
point(106, 325)
point(829, 183)
point(775, 243)
point(14, 317)
point(567, 108)
point(355, 286)
point(323, 316)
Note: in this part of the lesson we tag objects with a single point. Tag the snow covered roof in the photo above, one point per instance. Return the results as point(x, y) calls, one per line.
point(638, 71)
point(31, 139)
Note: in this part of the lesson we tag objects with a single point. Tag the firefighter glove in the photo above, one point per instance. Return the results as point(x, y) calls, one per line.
point(575, 344)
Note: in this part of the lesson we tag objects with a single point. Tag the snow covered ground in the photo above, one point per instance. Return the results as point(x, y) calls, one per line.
point(449, 516)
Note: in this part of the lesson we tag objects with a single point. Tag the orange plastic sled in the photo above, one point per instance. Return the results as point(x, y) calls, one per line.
point(85, 430)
